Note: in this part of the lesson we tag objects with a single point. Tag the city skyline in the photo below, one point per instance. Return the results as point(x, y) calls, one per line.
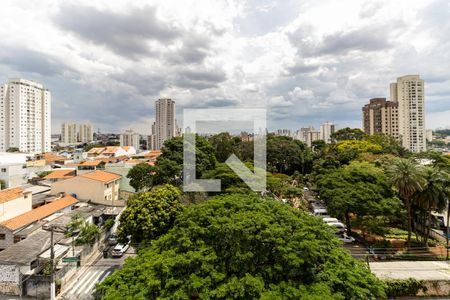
point(229, 54)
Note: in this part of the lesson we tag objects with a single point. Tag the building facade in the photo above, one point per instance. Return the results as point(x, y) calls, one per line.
point(326, 130)
point(85, 134)
point(130, 138)
point(409, 93)
point(25, 118)
point(165, 125)
point(380, 116)
point(68, 133)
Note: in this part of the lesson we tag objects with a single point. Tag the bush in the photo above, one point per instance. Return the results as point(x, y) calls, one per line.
point(404, 287)
point(109, 223)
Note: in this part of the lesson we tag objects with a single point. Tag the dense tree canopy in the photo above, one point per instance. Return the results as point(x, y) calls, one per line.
point(348, 133)
point(362, 190)
point(150, 214)
point(141, 176)
point(242, 247)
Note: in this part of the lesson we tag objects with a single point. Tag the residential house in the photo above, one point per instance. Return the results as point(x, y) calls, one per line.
point(14, 202)
point(61, 174)
point(13, 230)
point(98, 187)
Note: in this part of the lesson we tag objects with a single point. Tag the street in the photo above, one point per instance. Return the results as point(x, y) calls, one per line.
point(83, 284)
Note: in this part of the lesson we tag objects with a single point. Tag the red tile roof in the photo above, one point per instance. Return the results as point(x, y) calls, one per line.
point(10, 194)
point(39, 213)
point(61, 174)
point(101, 176)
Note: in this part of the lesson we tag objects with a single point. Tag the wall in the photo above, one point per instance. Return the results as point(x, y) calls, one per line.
point(13, 208)
point(9, 237)
point(86, 189)
point(9, 279)
point(13, 175)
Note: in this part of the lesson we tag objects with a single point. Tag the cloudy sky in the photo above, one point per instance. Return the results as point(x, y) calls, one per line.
point(307, 61)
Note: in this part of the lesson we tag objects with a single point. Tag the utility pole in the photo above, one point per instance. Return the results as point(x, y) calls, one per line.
point(52, 259)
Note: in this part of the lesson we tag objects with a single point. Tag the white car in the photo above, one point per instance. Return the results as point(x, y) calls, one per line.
point(305, 189)
point(338, 225)
point(346, 239)
point(330, 220)
point(320, 212)
point(119, 250)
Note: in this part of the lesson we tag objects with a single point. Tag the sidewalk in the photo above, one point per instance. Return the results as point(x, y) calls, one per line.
point(79, 273)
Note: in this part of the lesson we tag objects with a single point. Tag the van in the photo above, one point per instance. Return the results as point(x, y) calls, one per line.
point(119, 250)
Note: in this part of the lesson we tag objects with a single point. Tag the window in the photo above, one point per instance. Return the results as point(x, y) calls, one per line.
point(3, 170)
point(2, 236)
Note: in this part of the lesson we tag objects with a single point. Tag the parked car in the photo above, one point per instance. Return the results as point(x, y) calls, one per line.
point(339, 226)
point(119, 250)
point(112, 240)
point(320, 212)
point(305, 189)
point(346, 239)
point(330, 220)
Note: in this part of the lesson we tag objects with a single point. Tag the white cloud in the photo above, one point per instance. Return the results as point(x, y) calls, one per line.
point(308, 61)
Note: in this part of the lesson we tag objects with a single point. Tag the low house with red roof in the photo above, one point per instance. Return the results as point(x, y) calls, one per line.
point(15, 229)
point(60, 175)
point(13, 202)
point(98, 187)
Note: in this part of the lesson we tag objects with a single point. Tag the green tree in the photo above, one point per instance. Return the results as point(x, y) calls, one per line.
point(2, 184)
point(150, 214)
point(406, 178)
point(432, 197)
point(141, 176)
point(224, 145)
point(88, 234)
point(285, 155)
point(242, 247)
point(348, 134)
point(169, 165)
point(362, 190)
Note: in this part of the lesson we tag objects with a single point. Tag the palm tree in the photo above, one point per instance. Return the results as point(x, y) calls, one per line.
point(406, 178)
point(433, 197)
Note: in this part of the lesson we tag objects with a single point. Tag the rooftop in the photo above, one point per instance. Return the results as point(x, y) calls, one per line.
point(61, 174)
point(28, 250)
point(101, 176)
point(10, 194)
point(39, 213)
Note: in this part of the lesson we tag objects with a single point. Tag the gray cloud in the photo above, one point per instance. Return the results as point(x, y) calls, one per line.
point(29, 61)
point(199, 78)
point(126, 34)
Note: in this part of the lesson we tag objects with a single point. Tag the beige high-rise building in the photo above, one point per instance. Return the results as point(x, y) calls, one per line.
point(130, 138)
point(25, 120)
point(68, 133)
point(326, 130)
point(85, 133)
point(380, 116)
point(165, 126)
point(409, 93)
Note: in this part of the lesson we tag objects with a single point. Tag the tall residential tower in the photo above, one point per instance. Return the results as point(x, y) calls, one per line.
point(409, 93)
point(165, 126)
point(25, 116)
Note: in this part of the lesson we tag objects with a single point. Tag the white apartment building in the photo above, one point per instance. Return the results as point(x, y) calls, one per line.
point(85, 134)
point(25, 116)
point(68, 133)
point(130, 138)
point(165, 126)
point(409, 92)
point(326, 130)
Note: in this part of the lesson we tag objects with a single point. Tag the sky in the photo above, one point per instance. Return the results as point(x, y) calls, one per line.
point(307, 61)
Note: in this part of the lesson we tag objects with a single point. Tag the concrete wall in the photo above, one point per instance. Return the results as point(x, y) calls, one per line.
point(9, 279)
point(13, 208)
point(88, 189)
point(9, 237)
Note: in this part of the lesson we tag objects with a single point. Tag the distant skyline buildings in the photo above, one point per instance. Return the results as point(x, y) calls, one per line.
point(25, 116)
point(130, 138)
point(73, 133)
point(403, 117)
